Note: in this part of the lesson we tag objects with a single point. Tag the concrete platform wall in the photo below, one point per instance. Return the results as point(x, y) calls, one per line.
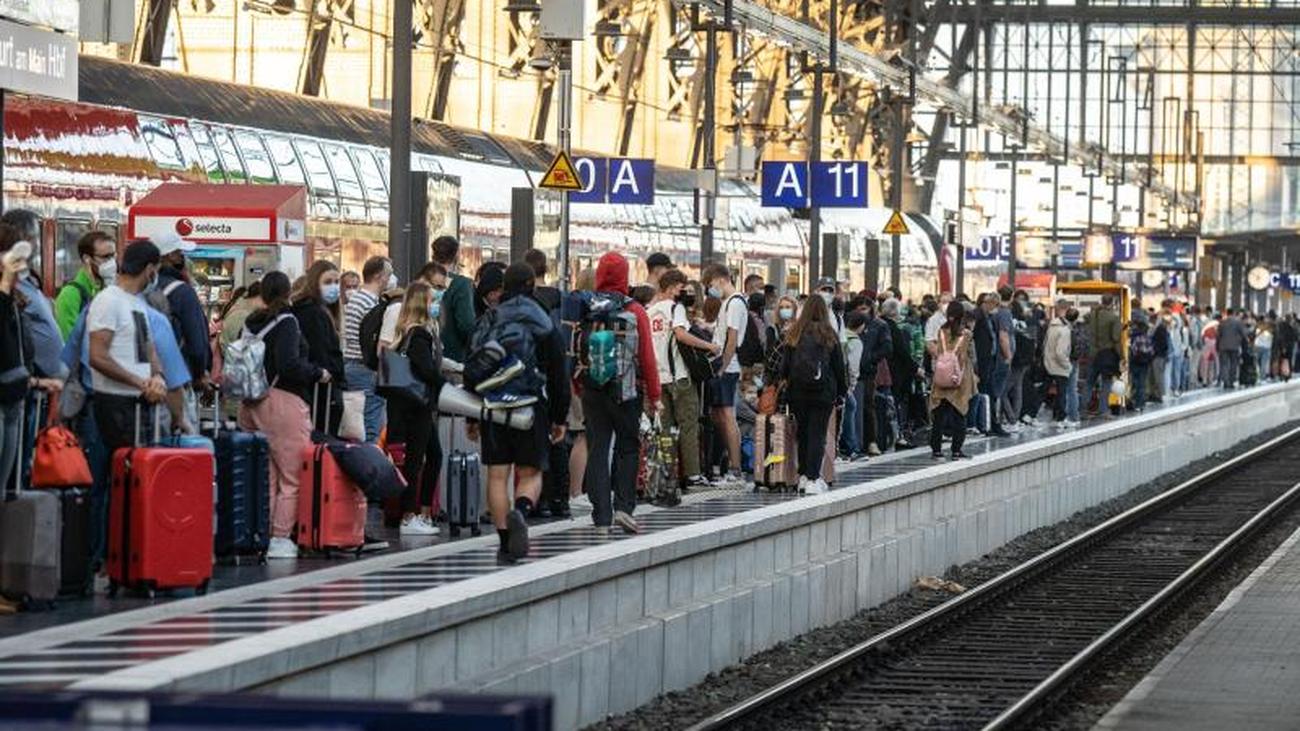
point(608, 629)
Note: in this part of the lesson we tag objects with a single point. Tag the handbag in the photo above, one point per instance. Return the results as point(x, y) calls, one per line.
point(396, 378)
point(352, 424)
point(768, 400)
point(58, 460)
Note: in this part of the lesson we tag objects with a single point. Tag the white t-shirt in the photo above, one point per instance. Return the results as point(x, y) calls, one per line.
point(388, 329)
point(122, 313)
point(934, 325)
point(734, 316)
point(665, 316)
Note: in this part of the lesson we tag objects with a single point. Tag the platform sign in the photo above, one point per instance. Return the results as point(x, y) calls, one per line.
point(785, 184)
point(1291, 281)
point(1127, 248)
point(839, 184)
point(631, 181)
point(995, 247)
point(561, 175)
point(591, 176)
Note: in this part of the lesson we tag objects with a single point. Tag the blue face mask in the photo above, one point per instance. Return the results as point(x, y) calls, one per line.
point(437, 295)
point(787, 313)
point(329, 293)
point(714, 292)
point(435, 309)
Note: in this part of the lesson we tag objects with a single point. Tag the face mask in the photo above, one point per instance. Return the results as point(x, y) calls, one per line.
point(329, 293)
point(437, 295)
point(758, 382)
point(787, 313)
point(392, 281)
point(714, 292)
point(435, 309)
point(686, 298)
point(107, 271)
point(152, 285)
point(827, 297)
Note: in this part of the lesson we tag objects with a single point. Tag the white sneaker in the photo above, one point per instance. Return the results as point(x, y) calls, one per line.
point(418, 525)
point(581, 502)
point(804, 482)
point(1071, 424)
point(282, 548)
point(816, 487)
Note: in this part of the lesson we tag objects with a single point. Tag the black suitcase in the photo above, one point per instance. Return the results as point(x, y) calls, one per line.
point(1249, 367)
point(75, 571)
point(243, 495)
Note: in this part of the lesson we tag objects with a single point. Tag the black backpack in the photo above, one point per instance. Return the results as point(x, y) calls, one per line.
point(750, 350)
point(699, 363)
point(371, 323)
point(810, 368)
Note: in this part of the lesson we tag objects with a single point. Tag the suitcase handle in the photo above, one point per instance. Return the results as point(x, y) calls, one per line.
point(157, 424)
point(315, 399)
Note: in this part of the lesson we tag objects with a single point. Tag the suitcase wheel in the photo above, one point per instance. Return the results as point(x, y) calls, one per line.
point(474, 530)
point(201, 589)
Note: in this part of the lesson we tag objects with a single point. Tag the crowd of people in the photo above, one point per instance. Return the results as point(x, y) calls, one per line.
point(127, 340)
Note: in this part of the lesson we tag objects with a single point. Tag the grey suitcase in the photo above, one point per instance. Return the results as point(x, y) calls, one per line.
point(31, 540)
point(464, 499)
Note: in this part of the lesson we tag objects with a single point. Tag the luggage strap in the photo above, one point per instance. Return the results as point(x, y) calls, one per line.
point(318, 460)
point(128, 474)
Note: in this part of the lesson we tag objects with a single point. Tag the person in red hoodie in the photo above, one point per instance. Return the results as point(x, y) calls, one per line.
point(613, 407)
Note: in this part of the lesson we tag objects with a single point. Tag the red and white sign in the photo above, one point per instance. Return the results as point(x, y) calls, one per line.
point(205, 228)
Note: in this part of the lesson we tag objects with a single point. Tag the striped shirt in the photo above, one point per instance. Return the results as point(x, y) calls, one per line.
point(358, 305)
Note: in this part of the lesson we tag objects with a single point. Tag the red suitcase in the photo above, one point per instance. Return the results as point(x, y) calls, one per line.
point(331, 508)
point(160, 519)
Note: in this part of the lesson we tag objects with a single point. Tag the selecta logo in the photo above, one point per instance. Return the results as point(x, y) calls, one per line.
point(184, 227)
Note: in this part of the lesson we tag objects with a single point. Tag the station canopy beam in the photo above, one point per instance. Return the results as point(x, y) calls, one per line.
point(1096, 13)
point(942, 94)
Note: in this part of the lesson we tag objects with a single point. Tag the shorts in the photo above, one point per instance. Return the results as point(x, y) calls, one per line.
point(577, 421)
point(722, 390)
point(503, 445)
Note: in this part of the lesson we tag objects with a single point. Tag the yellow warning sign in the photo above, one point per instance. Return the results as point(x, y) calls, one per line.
point(896, 226)
point(561, 175)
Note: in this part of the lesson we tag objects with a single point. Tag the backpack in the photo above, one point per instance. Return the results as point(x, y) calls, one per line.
point(368, 332)
point(810, 368)
point(1080, 347)
point(750, 350)
point(607, 344)
point(1025, 347)
point(947, 367)
point(509, 330)
point(244, 373)
point(699, 363)
point(1141, 349)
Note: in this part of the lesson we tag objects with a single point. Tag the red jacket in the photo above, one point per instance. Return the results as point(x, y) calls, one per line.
point(611, 276)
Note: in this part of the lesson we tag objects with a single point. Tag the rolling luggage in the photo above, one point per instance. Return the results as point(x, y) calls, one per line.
point(243, 496)
point(75, 572)
point(160, 517)
point(464, 495)
point(775, 452)
point(886, 421)
point(331, 508)
point(30, 542)
point(832, 439)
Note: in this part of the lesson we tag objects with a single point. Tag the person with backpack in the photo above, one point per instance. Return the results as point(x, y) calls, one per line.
point(376, 278)
point(282, 414)
point(1080, 351)
point(954, 382)
point(815, 381)
point(98, 254)
point(316, 308)
point(1104, 337)
point(189, 319)
point(520, 330)
point(671, 331)
point(411, 421)
point(1141, 353)
point(877, 349)
point(618, 377)
point(731, 333)
point(1056, 357)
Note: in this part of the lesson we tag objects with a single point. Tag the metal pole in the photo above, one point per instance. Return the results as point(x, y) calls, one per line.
point(710, 131)
point(399, 174)
point(1011, 227)
point(959, 282)
point(564, 126)
point(815, 155)
point(896, 263)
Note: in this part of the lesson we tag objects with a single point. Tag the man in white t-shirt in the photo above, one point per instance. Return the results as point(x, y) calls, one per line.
point(124, 365)
point(936, 321)
point(681, 404)
point(729, 335)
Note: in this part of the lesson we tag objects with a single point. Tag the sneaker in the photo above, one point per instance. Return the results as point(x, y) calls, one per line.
point(484, 363)
point(370, 544)
point(695, 482)
point(282, 548)
point(626, 522)
point(803, 483)
point(510, 367)
point(418, 525)
point(1028, 420)
point(1072, 423)
point(816, 487)
point(936, 455)
point(959, 456)
point(602, 531)
point(505, 400)
point(516, 534)
point(873, 450)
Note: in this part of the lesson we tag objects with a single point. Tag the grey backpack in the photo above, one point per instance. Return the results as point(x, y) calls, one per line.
point(243, 371)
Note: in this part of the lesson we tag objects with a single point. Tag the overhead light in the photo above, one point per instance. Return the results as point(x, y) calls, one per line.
point(794, 93)
point(523, 6)
point(742, 76)
point(607, 28)
point(677, 53)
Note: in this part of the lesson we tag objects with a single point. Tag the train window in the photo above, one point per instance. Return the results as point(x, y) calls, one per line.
point(318, 172)
point(161, 141)
point(371, 178)
point(189, 150)
point(66, 234)
point(345, 176)
point(286, 160)
point(255, 157)
point(229, 156)
point(208, 152)
point(426, 163)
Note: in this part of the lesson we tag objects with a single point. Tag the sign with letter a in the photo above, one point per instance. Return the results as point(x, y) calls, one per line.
point(785, 184)
point(631, 181)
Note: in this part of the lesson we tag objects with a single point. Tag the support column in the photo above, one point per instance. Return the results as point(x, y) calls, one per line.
point(399, 174)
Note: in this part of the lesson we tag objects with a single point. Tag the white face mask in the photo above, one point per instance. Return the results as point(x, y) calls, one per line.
point(108, 271)
point(392, 281)
point(827, 297)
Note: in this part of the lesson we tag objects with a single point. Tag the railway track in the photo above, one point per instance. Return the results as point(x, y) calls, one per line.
point(997, 656)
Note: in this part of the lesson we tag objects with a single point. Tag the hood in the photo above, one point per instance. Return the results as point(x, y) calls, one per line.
point(611, 273)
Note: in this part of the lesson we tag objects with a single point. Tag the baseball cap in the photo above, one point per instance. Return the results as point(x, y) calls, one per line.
point(138, 255)
point(171, 241)
point(825, 283)
point(658, 259)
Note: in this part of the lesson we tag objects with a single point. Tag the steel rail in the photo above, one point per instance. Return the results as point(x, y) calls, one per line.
point(922, 623)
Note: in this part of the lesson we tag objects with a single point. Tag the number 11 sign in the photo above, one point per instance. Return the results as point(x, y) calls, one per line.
point(839, 184)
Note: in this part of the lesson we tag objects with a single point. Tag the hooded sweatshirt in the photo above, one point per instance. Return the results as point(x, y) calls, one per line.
point(611, 276)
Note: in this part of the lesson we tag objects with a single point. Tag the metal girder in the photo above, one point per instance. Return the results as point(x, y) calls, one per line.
point(633, 62)
point(152, 35)
point(802, 36)
point(320, 24)
point(1087, 12)
point(939, 131)
point(440, 20)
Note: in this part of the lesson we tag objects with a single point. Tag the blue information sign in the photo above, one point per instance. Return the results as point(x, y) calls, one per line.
point(785, 184)
point(839, 184)
point(631, 181)
point(1127, 247)
point(591, 173)
point(989, 248)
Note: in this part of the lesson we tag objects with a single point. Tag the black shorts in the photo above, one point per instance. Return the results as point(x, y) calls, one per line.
point(722, 390)
point(503, 445)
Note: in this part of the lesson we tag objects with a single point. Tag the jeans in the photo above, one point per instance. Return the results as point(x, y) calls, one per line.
point(360, 378)
point(1138, 373)
point(946, 420)
point(849, 443)
point(1058, 404)
point(811, 422)
point(1229, 367)
point(1072, 393)
point(681, 409)
point(1264, 357)
point(11, 429)
point(618, 423)
point(1156, 377)
point(1013, 394)
point(101, 469)
point(998, 389)
point(1173, 375)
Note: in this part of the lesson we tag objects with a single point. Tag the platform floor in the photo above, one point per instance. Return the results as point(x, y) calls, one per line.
point(1239, 669)
point(85, 639)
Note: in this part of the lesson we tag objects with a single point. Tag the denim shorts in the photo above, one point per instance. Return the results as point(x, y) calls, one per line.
point(722, 390)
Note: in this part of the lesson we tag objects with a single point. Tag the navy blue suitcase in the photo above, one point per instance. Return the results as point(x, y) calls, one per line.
point(243, 495)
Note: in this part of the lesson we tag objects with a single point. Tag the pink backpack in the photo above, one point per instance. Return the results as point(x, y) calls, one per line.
point(947, 368)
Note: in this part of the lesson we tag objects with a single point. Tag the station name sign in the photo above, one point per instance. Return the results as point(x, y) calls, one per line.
point(35, 61)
